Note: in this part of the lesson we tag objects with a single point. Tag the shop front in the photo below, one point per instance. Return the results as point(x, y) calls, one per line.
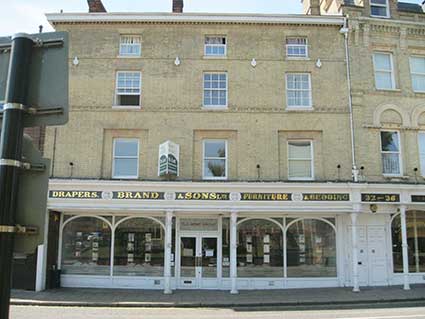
point(234, 236)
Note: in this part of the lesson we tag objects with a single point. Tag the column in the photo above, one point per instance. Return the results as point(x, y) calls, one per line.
point(355, 259)
point(167, 252)
point(233, 252)
point(406, 285)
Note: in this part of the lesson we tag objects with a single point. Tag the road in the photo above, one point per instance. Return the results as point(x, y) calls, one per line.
point(24, 312)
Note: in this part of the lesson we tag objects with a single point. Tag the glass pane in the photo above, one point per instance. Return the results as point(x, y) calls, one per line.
point(390, 163)
point(417, 64)
point(384, 2)
point(139, 248)
point(209, 257)
point(299, 169)
point(382, 61)
point(383, 80)
point(418, 82)
point(378, 11)
point(86, 247)
point(215, 168)
point(299, 150)
point(389, 142)
point(126, 147)
point(260, 249)
point(215, 149)
point(421, 139)
point(188, 253)
point(397, 245)
point(311, 249)
point(125, 167)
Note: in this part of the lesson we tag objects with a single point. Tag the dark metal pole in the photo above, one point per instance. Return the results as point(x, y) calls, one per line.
point(10, 157)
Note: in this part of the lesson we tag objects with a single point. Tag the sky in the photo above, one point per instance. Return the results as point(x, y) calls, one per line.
point(27, 15)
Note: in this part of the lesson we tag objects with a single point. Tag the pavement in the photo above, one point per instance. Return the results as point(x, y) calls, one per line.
point(85, 297)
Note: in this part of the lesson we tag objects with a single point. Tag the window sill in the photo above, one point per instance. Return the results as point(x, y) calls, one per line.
point(299, 108)
point(215, 57)
point(380, 17)
point(209, 179)
point(215, 108)
point(391, 176)
point(294, 58)
point(129, 56)
point(126, 107)
point(125, 177)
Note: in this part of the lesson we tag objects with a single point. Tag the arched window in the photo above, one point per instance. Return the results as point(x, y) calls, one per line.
point(86, 246)
point(260, 249)
point(310, 249)
point(139, 248)
point(415, 226)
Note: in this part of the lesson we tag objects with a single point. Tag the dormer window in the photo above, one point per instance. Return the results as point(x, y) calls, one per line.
point(379, 8)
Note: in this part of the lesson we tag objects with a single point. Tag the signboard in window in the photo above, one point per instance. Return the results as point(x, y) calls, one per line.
point(168, 160)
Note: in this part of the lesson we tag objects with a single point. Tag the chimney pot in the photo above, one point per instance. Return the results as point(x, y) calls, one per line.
point(178, 6)
point(96, 6)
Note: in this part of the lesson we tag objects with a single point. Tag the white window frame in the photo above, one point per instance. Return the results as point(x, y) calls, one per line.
point(122, 44)
point(114, 176)
point(215, 45)
point(214, 107)
point(400, 160)
point(311, 178)
point(295, 57)
point(116, 105)
point(298, 107)
point(422, 168)
point(386, 6)
point(375, 70)
point(412, 73)
point(226, 158)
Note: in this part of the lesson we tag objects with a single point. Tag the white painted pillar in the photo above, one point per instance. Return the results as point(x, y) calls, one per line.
point(404, 246)
point(233, 251)
point(167, 255)
point(354, 254)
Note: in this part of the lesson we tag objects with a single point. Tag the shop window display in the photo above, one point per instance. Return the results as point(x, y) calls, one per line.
point(86, 247)
point(311, 249)
point(260, 249)
point(139, 248)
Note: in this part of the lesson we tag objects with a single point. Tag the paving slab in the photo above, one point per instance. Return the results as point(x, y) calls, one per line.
point(90, 297)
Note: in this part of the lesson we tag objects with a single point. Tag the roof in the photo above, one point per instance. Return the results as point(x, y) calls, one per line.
point(196, 18)
point(409, 7)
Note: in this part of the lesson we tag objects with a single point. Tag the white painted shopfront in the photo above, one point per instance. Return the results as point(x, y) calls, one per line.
point(235, 236)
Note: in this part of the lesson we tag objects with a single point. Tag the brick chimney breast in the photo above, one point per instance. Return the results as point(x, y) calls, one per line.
point(177, 6)
point(96, 6)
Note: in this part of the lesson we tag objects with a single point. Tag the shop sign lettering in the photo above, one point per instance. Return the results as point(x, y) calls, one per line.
point(384, 198)
point(202, 196)
point(138, 195)
point(266, 197)
point(325, 197)
point(418, 198)
point(75, 194)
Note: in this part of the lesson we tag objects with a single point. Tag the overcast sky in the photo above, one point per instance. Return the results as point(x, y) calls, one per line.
point(27, 15)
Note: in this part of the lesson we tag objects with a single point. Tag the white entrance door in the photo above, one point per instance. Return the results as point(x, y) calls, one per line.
point(198, 261)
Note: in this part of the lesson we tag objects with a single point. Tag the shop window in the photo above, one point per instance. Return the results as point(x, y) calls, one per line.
point(130, 45)
point(417, 71)
point(384, 71)
point(86, 247)
point(390, 152)
point(379, 8)
point(128, 89)
point(311, 249)
point(125, 158)
point(139, 248)
point(260, 249)
point(226, 247)
point(296, 47)
point(415, 227)
point(298, 90)
point(215, 46)
point(215, 90)
point(215, 159)
point(300, 160)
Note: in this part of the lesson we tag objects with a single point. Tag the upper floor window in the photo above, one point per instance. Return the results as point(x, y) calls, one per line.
point(417, 70)
point(130, 45)
point(421, 140)
point(215, 89)
point(384, 71)
point(379, 8)
point(125, 158)
point(215, 46)
point(214, 159)
point(296, 48)
point(298, 90)
point(128, 88)
point(300, 160)
point(390, 151)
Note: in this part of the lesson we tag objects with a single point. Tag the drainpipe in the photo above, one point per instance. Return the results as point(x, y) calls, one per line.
point(344, 30)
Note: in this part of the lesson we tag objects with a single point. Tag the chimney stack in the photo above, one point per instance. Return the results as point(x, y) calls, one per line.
point(177, 6)
point(311, 7)
point(96, 6)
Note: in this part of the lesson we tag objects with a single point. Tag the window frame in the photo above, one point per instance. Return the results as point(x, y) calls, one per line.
point(299, 107)
point(121, 55)
point(299, 159)
point(297, 57)
point(214, 107)
point(215, 45)
point(422, 168)
point(400, 160)
point(115, 140)
point(116, 105)
point(415, 73)
point(392, 71)
point(226, 158)
point(386, 6)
